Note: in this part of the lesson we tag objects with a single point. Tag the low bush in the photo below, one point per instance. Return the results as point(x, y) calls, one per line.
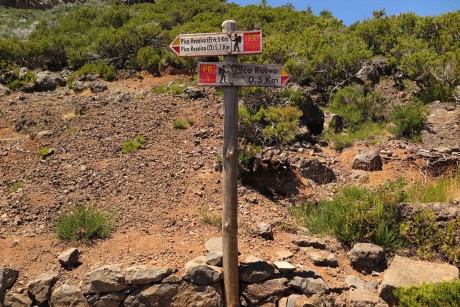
point(369, 131)
point(357, 214)
point(431, 238)
point(84, 222)
point(107, 72)
point(179, 124)
point(444, 294)
point(43, 152)
point(408, 120)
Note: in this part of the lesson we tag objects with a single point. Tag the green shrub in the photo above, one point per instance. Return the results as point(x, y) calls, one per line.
point(107, 72)
point(132, 146)
point(357, 106)
point(357, 214)
point(444, 294)
point(43, 152)
point(434, 89)
point(368, 131)
point(179, 124)
point(282, 123)
point(149, 59)
point(432, 239)
point(408, 120)
point(84, 222)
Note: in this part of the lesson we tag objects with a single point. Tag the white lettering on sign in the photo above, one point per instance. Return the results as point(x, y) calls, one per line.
point(214, 44)
point(231, 74)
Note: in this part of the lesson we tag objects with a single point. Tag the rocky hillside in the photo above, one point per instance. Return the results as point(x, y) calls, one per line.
point(164, 196)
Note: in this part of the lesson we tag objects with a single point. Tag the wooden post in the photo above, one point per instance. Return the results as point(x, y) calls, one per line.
point(230, 193)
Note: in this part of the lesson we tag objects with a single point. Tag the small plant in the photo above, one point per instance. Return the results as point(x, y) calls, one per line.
point(71, 131)
point(357, 214)
point(83, 223)
point(138, 97)
point(191, 121)
point(160, 89)
point(44, 152)
point(210, 219)
point(179, 124)
point(14, 187)
point(433, 295)
point(132, 146)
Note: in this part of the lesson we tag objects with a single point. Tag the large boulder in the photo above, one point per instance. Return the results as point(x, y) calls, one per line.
point(312, 115)
point(369, 160)
point(198, 295)
point(366, 255)
point(40, 288)
point(105, 279)
point(266, 290)
point(68, 258)
point(405, 272)
point(141, 275)
point(315, 170)
point(309, 286)
point(48, 81)
point(254, 269)
point(155, 295)
point(8, 277)
point(204, 274)
point(367, 74)
point(69, 296)
point(17, 300)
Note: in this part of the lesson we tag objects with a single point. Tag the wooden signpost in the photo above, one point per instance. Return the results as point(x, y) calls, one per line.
point(230, 75)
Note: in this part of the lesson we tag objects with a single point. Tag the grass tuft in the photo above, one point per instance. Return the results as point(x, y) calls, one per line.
point(179, 124)
point(83, 223)
point(210, 219)
point(357, 214)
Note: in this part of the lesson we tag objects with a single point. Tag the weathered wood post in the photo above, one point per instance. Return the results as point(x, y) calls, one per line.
point(230, 177)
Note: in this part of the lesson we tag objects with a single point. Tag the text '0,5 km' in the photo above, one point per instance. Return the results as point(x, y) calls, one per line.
point(231, 74)
point(215, 44)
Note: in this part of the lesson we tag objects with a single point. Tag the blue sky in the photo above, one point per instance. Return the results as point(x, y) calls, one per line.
point(354, 10)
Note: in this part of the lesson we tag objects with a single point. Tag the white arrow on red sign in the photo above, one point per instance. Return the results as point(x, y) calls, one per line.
point(215, 44)
point(234, 74)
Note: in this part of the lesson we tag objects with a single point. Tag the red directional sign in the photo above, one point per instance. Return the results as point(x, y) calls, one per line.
point(234, 74)
point(215, 44)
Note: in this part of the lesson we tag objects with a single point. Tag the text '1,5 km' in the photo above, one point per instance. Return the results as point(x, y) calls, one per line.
point(215, 44)
point(234, 74)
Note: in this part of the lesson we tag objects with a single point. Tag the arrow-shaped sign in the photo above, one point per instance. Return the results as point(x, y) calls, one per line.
point(215, 44)
point(233, 74)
